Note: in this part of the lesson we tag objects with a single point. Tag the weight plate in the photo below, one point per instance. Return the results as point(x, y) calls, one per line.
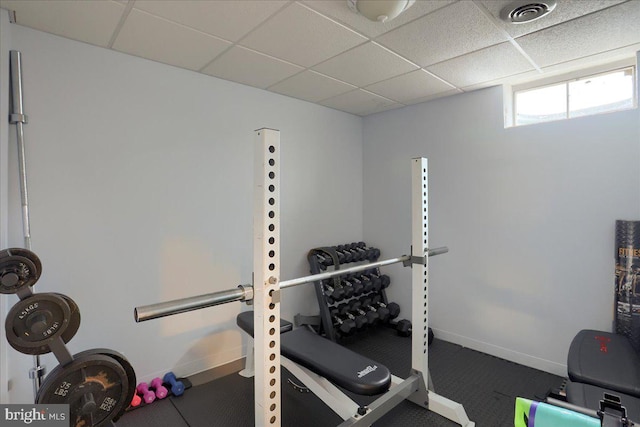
point(34, 322)
point(74, 318)
point(131, 374)
point(94, 386)
point(18, 268)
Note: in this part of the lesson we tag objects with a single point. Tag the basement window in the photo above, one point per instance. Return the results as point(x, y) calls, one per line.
point(598, 93)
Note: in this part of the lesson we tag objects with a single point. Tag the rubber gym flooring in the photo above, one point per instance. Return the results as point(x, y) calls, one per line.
point(487, 387)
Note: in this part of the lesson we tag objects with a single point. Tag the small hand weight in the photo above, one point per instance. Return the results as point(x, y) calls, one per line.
point(147, 395)
point(160, 391)
point(177, 387)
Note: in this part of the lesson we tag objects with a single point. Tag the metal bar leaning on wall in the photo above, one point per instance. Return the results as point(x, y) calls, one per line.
point(245, 292)
point(18, 118)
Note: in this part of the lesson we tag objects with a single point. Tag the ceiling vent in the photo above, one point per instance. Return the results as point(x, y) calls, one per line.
point(523, 11)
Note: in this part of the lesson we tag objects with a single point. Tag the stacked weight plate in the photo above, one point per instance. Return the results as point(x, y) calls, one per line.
point(97, 384)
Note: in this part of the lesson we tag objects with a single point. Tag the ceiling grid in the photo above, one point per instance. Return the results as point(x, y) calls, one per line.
point(322, 52)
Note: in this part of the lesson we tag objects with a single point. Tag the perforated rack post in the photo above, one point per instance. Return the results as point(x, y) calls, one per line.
point(266, 270)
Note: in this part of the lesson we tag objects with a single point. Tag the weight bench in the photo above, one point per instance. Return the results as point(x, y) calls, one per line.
point(321, 364)
point(332, 361)
point(604, 360)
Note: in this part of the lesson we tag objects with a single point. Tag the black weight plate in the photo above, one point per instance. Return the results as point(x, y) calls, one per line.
point(74, 318)
point(94, 386)
point(131, 374)
point(18, 268)
point(33, 323)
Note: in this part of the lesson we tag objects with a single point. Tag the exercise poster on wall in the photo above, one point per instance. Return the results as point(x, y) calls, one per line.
point(627, 286)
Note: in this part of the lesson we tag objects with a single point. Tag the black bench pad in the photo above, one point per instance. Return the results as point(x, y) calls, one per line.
point(606, 360)
point(338, 364)
point(245, 321)
point(589, 396)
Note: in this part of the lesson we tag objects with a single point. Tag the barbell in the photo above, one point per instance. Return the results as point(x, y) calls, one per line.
point(245, 292)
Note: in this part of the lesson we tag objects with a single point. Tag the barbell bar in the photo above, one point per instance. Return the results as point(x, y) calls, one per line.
point(245, 292)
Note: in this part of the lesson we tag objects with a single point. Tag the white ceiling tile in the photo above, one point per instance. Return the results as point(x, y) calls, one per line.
point(432, 97)
point(88, 21)
point(483, 65)
point(609, 29)
point(302, 36)
point(338, 10)
point(358, 102)
point(417, 84)
point(365, 64)
point(311, 86)
point(228, 19)
point(564, 11)
point(444, 34)
point(155, 38)
point(245, 66)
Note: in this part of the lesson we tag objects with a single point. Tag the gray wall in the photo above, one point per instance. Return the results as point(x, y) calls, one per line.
point(528, 214)
point(141, 190)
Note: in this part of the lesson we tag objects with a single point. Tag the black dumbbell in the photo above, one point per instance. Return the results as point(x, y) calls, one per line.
point(381, 281)
point(345, 327)
point(344, 255)
point(373, 254)
point(354, 284)
point(345, 310)
point(403, 327)
point(324, 260)
point(334, 294)
point(366, 282)
point(371, 316)
point(383, 312)
point(392, 307)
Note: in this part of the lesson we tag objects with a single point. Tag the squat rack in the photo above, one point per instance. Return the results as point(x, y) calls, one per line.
point(265, 294)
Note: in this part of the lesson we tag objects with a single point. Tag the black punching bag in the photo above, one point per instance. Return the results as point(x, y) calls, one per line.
point(627, 297)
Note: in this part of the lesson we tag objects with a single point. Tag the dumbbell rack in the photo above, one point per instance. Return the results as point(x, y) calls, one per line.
point(322, 258)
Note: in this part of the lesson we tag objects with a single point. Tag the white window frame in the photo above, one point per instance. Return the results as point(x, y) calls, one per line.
point(510, 92)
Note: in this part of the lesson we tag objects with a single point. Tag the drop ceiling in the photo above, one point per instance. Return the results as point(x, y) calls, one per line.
point(320, 51)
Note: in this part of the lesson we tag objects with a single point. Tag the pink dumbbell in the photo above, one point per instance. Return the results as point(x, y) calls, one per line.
point(160, 390)
point(147, 395)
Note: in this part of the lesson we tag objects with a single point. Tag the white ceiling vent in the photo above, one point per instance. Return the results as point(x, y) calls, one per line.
point(523, 11)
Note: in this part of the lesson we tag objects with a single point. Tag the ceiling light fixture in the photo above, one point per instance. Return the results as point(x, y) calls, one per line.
point(523, 11)
point(379, 10)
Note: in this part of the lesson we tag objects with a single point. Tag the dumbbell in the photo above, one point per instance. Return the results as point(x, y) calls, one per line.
point(371, 316)
point(345, 310)
point(366, 282)
point(383, 312)
point(335, 294)
point(403, 327)
point(354, 284)
point(394, 309)
point(373, 254)
point(344, 255)
point(135, 401)
point(160, 390)
point(381, 281)
point(177, 387)
point(324, 260)
point(346, 327)
point(147, 395)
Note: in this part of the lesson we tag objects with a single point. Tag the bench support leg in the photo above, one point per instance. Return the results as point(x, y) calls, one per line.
point(249, 363)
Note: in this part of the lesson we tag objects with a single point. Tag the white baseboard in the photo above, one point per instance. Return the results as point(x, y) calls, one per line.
point(503, 353)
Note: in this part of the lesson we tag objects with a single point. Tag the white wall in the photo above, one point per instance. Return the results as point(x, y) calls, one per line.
point(5, 37)
point(528, 214)
point(141, 191)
